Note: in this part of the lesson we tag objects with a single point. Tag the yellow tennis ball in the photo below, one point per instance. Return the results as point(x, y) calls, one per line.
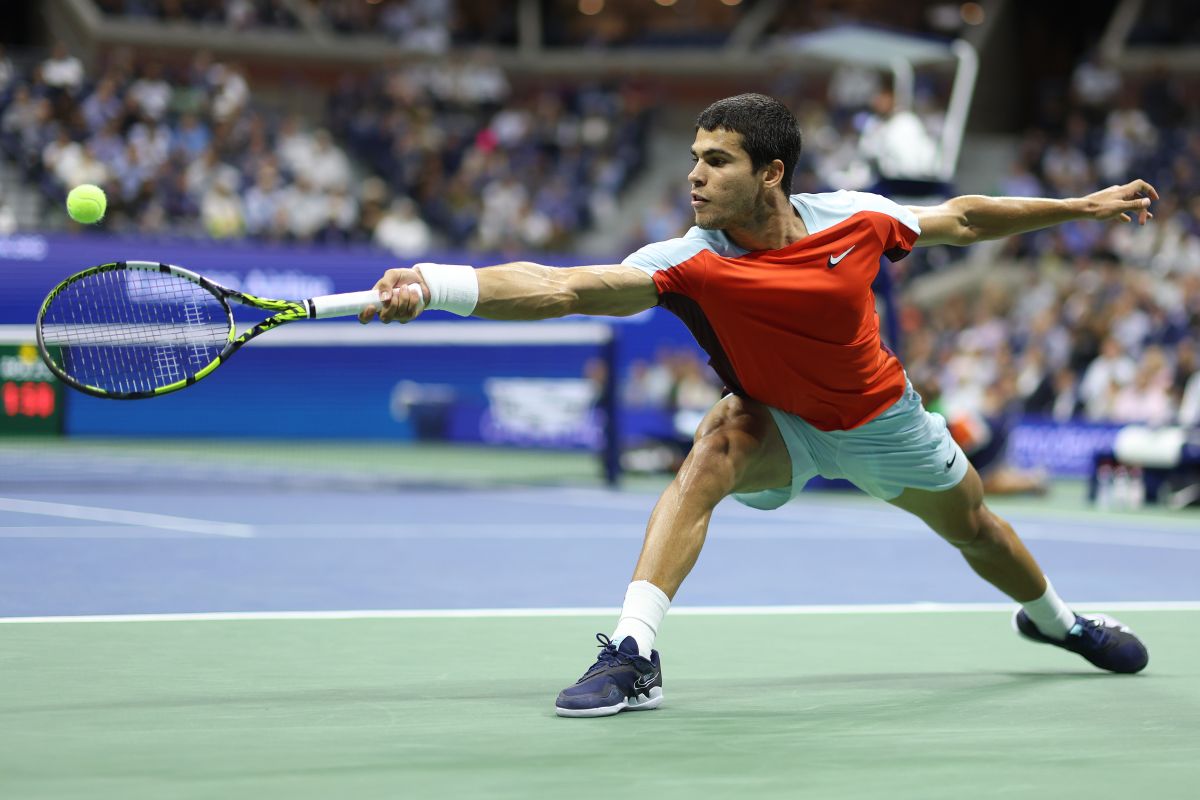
point(86, 203)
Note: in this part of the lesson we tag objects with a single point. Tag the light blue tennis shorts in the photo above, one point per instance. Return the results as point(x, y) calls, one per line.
point(904, 447)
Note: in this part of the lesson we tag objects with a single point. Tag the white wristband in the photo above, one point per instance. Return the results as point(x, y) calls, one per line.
point(452, 287)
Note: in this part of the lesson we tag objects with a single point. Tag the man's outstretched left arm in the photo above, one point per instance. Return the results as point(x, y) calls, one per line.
point(976, 218)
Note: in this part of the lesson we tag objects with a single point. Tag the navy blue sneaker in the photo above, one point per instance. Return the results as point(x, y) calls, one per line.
point(1105, 642)
point(619, 680)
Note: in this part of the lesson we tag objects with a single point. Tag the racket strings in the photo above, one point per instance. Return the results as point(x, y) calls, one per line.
point(134, 330)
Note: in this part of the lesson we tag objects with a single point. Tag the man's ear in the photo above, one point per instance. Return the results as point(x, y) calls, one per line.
point(773, 174)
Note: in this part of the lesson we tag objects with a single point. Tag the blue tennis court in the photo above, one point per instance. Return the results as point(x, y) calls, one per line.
point(122, 531)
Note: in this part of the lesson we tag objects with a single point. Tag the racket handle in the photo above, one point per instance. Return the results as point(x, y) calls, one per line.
point(342, 305)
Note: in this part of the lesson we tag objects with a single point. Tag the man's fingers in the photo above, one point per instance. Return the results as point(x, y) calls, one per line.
point(399, 301)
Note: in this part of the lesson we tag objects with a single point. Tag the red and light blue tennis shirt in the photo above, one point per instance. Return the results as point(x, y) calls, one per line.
point(795, 328)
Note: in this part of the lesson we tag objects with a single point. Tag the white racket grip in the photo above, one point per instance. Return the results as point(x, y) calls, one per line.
point(351, 303)
point(343, 305)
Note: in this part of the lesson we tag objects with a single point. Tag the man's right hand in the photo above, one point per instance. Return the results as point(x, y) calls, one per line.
point(403, 296)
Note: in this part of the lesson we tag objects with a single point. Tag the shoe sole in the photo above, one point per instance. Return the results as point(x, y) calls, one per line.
point(654, 700)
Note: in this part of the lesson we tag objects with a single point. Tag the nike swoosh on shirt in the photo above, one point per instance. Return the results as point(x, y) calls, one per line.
point(950, 463)
point(835, 260)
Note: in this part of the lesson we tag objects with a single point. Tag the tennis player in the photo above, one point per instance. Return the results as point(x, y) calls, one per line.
point(777, 289)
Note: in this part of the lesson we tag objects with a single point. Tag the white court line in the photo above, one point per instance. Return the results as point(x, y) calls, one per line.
point(686, 611)
point(123, 517)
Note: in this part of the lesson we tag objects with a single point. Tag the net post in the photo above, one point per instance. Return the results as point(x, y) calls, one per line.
point(610, 405)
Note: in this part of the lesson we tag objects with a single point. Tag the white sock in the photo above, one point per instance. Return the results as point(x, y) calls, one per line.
point(1050, 614)
point(643, 612)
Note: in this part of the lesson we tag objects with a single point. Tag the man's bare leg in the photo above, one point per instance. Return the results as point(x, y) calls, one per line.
point(737, 449)
point(986, 541)
point(998, 555)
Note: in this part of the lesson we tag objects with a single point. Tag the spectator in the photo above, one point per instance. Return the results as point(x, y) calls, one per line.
point(221, 210)
point(1110, 371)
point(203, 172)
point(151, 140)
point(896, 143)
point(326, 165)
point(87, 169)
point(343, 216)
point(61, 157)
point(306, 209)
point(230, 91)
point(402, 232)
point(63, 71)
point(263, 201)
point(151, 93)
point(1055, 396)
point(295, 145)
point(103, 105)
point(191, 137)
point(1146, 398)
point(107, 143)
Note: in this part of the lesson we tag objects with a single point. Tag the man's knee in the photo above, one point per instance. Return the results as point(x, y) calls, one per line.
point(734, 414)
point(738, 438)
point(728, 442)
point(979, 528)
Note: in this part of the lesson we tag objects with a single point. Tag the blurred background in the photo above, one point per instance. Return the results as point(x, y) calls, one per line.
point(300, 147)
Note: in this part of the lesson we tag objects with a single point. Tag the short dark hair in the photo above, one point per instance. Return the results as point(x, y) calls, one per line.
point(769, 130)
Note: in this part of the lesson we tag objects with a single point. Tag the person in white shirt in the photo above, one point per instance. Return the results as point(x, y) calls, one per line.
point(62, 70)
point(62, 156)
point(327, 167)
point(151, 92)
point(402, 231)
point(1111, 367)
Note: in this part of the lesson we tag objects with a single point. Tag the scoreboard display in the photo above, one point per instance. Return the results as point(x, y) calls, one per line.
point(30, 396)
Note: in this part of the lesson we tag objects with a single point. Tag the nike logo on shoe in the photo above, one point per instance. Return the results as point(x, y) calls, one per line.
point(644, 682)
point(950, 463)
point(835, 260)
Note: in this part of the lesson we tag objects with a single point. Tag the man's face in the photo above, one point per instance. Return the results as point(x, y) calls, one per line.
point(725, 186)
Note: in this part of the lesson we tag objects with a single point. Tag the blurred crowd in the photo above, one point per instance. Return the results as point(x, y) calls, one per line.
point(1088, 336)
point(1100, 320)
point(411, 157)
point(502, 171)
point(428, 26)
point(234, 14)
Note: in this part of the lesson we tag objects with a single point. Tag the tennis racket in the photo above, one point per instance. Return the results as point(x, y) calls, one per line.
point(135, 329)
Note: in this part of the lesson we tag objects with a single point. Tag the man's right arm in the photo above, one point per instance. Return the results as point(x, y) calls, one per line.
point(526, 291)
